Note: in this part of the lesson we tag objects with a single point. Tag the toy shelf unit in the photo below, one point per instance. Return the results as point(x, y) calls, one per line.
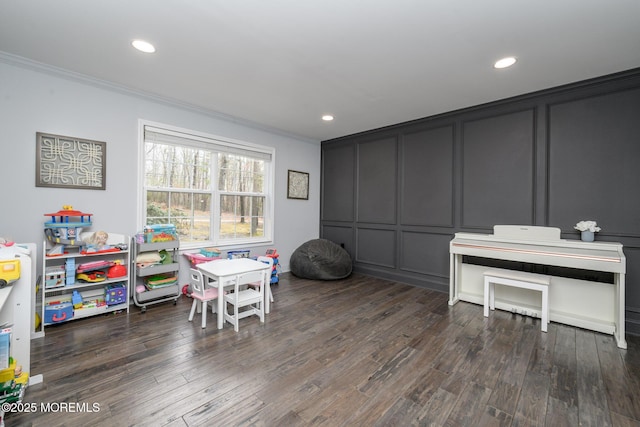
point(156, 271)
point(78, 283)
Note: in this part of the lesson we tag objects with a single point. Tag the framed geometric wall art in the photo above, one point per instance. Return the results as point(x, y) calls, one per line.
point(298, 185)
point(68, 162)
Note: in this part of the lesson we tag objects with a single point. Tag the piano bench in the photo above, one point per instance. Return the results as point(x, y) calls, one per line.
point(518, 279)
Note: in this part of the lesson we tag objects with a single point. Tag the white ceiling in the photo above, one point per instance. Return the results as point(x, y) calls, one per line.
point(284, 63)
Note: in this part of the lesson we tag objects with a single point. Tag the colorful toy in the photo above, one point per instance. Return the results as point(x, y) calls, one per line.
point(272, 253)
point(54, 276)
point(117, 270)
point(99, 239)
point(56, 250)
point(9, 271)
point(97, 242)
point(37, 321)
point(62, 230)
point(210, 252)
point(115, 294)
point(160, 233)
point(76, 299)
point(92, 276)
point(4, 243)
point(70, 271)
point(9, 263)
point(65, 230)
point(186, 291)
point(94, 265)
point(165, 257)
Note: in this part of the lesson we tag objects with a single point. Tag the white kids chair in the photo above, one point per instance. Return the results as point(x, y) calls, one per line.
point(248, 297)
point(201, 293)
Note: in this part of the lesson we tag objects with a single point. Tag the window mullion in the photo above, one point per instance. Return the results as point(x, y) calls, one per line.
point(215, 199)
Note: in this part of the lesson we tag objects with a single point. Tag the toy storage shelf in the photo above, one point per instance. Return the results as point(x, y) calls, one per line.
point(55, 296)
point(160, 294)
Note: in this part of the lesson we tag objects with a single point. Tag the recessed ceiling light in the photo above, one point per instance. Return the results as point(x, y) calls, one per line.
point(505, 62)
point(143, 46)
point(327, 117)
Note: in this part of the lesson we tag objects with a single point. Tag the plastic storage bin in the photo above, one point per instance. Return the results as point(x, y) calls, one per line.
point(238, 254)
point(58, 312)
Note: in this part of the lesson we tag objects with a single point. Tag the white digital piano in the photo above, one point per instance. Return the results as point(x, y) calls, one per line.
point(594, 305)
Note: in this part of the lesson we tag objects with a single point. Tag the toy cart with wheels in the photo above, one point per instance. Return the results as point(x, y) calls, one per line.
point(156, 282)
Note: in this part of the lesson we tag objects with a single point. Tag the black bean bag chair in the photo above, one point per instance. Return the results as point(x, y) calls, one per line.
point(320, 259)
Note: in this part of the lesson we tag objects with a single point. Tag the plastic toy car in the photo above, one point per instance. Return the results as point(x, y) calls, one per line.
point(92, 276)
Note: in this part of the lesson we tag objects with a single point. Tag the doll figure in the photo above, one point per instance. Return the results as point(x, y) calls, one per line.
point(98, 240)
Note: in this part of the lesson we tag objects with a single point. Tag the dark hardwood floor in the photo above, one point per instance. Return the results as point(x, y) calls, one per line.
point(355, 352)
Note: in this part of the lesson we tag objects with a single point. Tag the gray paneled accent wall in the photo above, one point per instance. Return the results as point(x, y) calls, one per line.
point(422, 253)
point(594, 163)
point(338, 180)
point(394, 197)
point(494, 148)
point(376, 183)
point(343, 235)
point(376, 246)
point(426, 186)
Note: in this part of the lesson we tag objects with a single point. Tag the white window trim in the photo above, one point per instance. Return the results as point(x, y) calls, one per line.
point(268, 184)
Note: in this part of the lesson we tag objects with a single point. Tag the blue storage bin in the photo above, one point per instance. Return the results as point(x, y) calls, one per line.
point(57, 313)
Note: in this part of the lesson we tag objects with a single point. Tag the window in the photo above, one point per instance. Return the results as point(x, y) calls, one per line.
point(215, 191)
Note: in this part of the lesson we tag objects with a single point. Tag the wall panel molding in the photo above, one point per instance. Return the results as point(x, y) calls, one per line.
point(376, 246)
point(426, 177)
point(421, 253)
point(593, 154)
point(376, 182)
point(498, 170)
point(338, 179)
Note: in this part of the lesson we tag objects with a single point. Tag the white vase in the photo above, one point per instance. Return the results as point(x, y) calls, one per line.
point(587, 236)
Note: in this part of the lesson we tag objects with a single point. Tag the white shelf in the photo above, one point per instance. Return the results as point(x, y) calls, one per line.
point(95, 311)
point(94, 289)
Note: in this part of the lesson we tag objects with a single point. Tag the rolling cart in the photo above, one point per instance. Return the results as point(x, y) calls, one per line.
point(158, 282)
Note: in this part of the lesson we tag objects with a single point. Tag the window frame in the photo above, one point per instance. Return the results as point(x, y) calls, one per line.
point(208, 141)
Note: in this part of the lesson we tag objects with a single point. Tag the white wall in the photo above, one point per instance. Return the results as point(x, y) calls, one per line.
point(34, 99)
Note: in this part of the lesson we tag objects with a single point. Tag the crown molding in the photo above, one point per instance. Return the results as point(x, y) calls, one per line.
point(19, 61)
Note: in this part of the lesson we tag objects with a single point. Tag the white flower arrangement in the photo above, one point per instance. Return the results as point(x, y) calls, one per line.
point(587, 226)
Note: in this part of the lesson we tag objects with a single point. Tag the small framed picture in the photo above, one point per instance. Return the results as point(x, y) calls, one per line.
point(298, 185)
